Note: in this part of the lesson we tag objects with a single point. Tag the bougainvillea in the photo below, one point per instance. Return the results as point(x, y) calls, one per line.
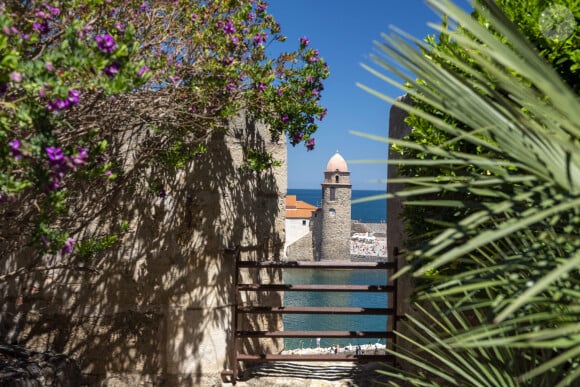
point(59, 58)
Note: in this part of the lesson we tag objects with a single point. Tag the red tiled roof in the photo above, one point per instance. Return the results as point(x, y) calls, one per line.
point(298, 208)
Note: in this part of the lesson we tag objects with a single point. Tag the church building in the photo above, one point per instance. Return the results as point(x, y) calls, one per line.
point(336, 208)
point(322, 233)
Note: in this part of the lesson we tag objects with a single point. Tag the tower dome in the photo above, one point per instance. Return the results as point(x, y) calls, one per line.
point(336, 163)
point(335, 222)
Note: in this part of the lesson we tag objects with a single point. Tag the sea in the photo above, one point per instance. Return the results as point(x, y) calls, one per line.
point(373, 211)
point(367, 212)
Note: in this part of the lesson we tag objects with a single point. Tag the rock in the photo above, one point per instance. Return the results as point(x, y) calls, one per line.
point(21, 367)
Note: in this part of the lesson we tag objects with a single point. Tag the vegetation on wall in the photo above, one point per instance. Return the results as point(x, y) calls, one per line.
point(71, 71)
point(493, 163)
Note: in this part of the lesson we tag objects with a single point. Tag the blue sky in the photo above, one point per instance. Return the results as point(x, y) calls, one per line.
point(343, 32)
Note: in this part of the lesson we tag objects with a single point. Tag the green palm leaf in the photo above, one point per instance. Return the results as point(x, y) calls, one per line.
point(502, 274)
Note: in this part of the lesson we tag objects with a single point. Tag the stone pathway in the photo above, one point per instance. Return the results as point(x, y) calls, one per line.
point(312, 374)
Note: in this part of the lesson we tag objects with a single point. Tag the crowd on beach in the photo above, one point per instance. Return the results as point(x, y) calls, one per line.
point(365, 349)
point(375, 247)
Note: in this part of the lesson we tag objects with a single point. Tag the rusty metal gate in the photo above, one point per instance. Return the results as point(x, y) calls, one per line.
point(389, 310)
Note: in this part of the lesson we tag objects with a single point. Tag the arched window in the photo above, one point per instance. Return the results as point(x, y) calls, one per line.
point(332, 212)
point(336, 179)
point(332, 194)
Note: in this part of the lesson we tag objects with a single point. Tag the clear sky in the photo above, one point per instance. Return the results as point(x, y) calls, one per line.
point(343, 32)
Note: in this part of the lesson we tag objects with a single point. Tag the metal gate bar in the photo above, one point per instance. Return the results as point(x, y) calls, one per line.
point(323, 265)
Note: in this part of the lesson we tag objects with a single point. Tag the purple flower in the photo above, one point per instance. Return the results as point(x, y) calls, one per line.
point(3, 88)
point(81, 157)
point(322, 115)
point(73, 96)
point(143, 6)
point(142, 71)
point(53, 10)
point(310, 144)
point(15, 76)
point(55, 155)
point(296, 138)
point(105, 43)
point(285, 118)
point(58, 104)
point(119, 27)
point(112, 69)
point(229, 27)
point(45, 240)
point(259, 38)
point(68, 246)
point(15, 149)
point(261, 86)
point(261, 7)
point(314, 57)
point(231, 86)
point(108, 173)
point(41, 28)
point(48, 66)
point(304, 41)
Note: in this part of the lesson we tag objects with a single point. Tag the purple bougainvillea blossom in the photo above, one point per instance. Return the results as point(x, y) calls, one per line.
point(259, 38)
point(304, 41)
point(261, 86)
point(42, 28)
point(53, 10)
point(296, 138)
point(229, 28)
point(58, 105)
point(105, 43)
point(261, 7)
point(15, 149)
point(73, 96)
point(314, 57)
point(80, 158)
point(111, 69)
point(142, 71)
point(285, 118)
point(16, 77)
point(310, 144)
point(55, 155)
point(68, 246)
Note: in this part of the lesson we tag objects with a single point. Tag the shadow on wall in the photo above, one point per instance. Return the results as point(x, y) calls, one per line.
point(157, 305)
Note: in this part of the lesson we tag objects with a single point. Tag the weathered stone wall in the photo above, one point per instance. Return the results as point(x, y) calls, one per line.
point(302, 249)
point(296, 229)
point(335, 217)
point(157, 308)
point(396, 229)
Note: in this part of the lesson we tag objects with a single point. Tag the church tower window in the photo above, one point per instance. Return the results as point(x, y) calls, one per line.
point(332, 193)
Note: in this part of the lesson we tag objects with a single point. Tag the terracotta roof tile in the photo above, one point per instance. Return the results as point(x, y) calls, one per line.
point(298, 208)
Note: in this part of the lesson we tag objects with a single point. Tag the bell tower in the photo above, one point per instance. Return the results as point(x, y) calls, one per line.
point(336, 208)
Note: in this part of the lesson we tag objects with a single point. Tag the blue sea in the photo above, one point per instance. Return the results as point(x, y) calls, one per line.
point(374, 211)
point(367, 212)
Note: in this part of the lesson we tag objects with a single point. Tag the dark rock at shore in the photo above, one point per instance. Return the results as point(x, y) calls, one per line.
point(22, 367)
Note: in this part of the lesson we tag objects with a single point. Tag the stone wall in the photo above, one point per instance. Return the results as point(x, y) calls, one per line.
point(396, 234)
point(157, 308)
point(336, 220)
point(301, 250)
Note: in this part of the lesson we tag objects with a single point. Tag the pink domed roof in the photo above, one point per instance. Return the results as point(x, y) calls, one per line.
point(336, 163)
